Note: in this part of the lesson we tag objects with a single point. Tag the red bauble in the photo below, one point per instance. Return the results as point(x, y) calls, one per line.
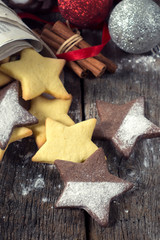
point(85, 13)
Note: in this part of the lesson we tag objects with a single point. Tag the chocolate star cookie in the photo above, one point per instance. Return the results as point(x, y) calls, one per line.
point(12, 114)
point(124, 124)
point(90, 186)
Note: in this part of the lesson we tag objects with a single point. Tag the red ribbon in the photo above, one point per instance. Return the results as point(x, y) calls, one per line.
point(87, 52)
point(77, 54)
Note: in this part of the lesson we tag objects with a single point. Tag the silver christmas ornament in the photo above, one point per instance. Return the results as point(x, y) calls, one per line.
point(134, 25)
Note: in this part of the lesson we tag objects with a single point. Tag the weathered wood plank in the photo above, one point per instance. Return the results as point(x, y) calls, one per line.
point(29, 190)
point(134, 215)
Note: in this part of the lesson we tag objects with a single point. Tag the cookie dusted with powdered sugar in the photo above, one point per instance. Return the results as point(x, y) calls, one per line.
point(90, 186)
point(12, 114)
point(124, 124)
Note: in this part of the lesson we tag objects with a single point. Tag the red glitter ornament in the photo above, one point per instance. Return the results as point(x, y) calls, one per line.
point(85, 13)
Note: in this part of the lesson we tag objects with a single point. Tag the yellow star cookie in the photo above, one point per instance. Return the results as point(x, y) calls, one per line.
point(67, 143)
point(18, 133)
point(37, 74)
point(42, 108)
point(4, 79)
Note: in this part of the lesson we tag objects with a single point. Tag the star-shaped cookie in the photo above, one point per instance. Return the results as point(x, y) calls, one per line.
point(124, 124)
point(12, 114)
point(17, 134)
point(70, 143)
point(55, 109)
point(37, 74)
point(90, 186)
point(4, 79)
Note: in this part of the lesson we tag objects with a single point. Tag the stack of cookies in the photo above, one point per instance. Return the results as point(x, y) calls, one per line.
point(82, 165)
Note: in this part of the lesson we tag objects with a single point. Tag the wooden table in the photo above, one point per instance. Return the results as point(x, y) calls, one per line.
point(29, 190)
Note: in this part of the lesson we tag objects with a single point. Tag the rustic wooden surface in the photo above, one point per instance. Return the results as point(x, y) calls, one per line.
point(135, 215)
point(29, 190)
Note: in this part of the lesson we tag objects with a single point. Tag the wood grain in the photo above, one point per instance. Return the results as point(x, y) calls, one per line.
point(135, 215)
point(29, 190)
point(27, 212)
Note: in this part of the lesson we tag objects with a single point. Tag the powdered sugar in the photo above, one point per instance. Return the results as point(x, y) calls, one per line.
point(51, 166)
point(126, 210)
point(9, 116)
point(44, 200)
point(147, 63)
point(146, 162)
point(12, 114)
point(133, 125)
point(92, 196)
point(35, 184)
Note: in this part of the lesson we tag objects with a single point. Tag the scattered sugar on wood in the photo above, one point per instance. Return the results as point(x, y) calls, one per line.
point(146, 162)
point(132, 173)
point(37, 183)
point(149, 152)
point(26, 156)
point(51, 166)
point(146, 62)
point(45, 199)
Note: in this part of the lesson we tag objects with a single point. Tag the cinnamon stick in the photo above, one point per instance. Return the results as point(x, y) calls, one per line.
point(81, 72)
point(66, 33)
point(47, 26)
point(50, 42)
point(53, 40)
point(62, 30)
point(110, 65)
